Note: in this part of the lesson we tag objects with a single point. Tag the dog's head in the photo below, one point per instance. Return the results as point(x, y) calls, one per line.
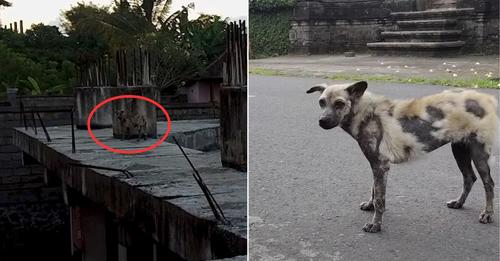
point(336, 101)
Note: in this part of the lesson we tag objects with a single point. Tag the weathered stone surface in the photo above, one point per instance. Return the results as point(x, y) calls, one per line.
point(427, 24)
point(162, 198)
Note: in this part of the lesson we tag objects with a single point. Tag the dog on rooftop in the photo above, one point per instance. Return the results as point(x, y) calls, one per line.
point(395, 131)
point(130, 123)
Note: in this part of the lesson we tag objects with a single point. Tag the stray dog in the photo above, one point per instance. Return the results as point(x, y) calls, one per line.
point(132, 123)
point(395, 131)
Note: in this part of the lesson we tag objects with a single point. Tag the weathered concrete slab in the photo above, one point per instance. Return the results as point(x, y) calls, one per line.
point(162, 197)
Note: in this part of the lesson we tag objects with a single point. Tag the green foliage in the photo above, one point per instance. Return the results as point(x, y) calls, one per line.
point(86, 36)
point(270, 5)
point(269, 34)
point(35, 62)
point(44, 61)
point(185, 48)
point(33, 84)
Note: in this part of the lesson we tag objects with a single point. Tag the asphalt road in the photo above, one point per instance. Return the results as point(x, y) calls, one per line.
point(306, 184)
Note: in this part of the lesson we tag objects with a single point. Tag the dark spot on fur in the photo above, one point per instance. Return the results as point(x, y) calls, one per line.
point(435, 113)
point(408, 150)
point(366, 137)
point(472, 106)
point(391, 111)
point(423, 131)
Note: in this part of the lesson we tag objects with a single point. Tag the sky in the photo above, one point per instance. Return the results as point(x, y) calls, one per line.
point(49, 11)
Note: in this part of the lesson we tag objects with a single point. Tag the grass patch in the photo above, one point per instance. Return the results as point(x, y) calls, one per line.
point(491, 83)
point(267, 72)
point(463, 83)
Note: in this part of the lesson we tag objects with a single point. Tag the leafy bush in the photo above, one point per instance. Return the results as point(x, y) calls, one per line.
point(269, 33)
point(271, 5)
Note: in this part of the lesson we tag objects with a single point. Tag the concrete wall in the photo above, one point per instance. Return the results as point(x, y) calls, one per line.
point(33, 217)
point(196, 111)
point(203, 91)
point(336, 26)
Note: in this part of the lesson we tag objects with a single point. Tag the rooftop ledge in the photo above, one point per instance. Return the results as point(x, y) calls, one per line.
point(162, 196)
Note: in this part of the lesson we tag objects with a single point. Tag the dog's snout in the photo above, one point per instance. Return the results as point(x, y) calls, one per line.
point(326, 123)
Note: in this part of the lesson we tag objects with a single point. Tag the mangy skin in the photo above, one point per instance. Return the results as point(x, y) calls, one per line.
point(395, 131)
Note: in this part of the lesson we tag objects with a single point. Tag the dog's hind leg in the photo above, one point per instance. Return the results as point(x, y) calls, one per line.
point(480, 157)
point(368, 205)
point(462, 154)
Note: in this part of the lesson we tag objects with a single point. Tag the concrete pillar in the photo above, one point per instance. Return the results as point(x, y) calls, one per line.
point(122, 252)
point(93, 224)
point(135, 245)
point(233, 121)
point(15, 27)
point(21, 28)
point(86, 98)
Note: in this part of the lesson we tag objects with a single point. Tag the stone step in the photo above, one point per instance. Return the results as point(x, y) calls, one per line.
point(415, 45)
point(422, 36)
point(416, 48)
point(444, 3)
point(433, 13)
point(427, 24)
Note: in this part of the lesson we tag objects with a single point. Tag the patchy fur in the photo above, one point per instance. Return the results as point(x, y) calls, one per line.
point(395, 131)
point(130, 123)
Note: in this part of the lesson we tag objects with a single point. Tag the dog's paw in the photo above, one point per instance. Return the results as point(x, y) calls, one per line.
point(486, 217)
point(454, 204)
point(367, 206)
point(372, 228)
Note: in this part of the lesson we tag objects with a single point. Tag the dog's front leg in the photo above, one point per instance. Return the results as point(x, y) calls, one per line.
point(368, 205)
point(380, 169)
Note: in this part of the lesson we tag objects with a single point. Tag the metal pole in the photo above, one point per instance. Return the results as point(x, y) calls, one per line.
point(124, 171)
point(73, 146)
point(24, 116)
point(21, 112)
point(208, 195)
point(34, 121)
point(43, 127)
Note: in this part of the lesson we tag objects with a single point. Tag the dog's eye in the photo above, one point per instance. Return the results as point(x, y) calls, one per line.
point(339, 104)
point(322, 103)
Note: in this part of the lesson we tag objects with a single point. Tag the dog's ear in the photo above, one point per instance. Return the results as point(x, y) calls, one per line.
point(357, 89)
point(317, 88)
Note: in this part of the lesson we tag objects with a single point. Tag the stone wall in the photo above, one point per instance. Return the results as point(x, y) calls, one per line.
point(336, 26)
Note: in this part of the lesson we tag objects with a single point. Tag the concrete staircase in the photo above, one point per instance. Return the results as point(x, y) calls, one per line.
point(435, 32)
